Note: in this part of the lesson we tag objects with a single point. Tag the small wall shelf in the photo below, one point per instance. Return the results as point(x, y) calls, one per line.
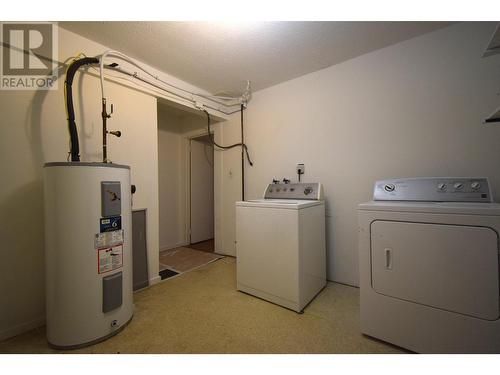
point(493, 49)
point(494, 117)
point(494, 44)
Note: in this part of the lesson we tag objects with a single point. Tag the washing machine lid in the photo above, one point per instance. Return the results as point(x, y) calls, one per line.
point(488, 209)
point(290, 204)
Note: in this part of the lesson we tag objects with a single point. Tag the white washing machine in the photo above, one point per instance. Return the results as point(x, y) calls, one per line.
point(280, 244)
point(429, 265)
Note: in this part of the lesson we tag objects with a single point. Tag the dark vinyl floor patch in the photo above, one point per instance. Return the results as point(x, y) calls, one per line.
point(207, 246)
point(166, 273)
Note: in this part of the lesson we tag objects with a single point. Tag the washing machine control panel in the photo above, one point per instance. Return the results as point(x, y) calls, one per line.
point(434, 189)
point(309, 191)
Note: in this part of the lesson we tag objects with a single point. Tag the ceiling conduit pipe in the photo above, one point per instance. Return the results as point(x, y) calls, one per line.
point(77, 63)
point(221, 100)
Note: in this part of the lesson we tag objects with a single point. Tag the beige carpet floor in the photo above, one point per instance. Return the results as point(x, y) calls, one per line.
point(183, 259)
point(201, 312)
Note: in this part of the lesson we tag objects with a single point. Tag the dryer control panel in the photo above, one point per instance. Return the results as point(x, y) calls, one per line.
point(434, 189)
point(287, 190)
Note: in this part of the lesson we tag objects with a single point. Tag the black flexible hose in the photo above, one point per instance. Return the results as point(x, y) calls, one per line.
point(211, 137)
point(73, 132)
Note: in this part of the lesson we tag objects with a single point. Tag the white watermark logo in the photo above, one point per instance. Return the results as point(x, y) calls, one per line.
point(29, 56)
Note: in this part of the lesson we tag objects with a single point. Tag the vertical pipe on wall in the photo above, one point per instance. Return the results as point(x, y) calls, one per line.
point(70, 111)
point(104, 132)
point(242, 156)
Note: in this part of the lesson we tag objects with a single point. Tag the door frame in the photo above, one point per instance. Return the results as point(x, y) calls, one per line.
point(186, 149)
point(189, 190)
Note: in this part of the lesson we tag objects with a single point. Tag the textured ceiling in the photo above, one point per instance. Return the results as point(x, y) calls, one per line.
point(221, 56)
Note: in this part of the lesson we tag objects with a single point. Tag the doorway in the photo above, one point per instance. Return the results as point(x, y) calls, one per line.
point(186, 191)
point(201, 191)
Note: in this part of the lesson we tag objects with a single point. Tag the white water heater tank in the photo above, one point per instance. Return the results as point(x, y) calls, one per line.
point(88, 252)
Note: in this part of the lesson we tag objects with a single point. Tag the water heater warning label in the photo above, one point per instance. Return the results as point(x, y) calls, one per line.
point(110, 258)
point(108, 239)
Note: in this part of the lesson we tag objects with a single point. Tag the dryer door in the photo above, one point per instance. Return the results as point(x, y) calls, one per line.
point(450, 267)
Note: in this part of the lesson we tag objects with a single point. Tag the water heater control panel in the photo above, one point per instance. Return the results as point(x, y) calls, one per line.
point(111, 198)
point(434, 189)
point(309, 191)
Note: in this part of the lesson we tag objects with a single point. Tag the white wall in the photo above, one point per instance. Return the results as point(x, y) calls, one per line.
point(33, 131)
point(227, 178)
point(411, 109)
point(171, 187)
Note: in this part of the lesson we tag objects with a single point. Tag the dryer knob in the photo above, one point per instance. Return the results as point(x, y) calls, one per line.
point(389, 187)
point(475, 185)
point(458, 185)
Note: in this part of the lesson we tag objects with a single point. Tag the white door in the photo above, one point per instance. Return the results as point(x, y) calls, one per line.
point(450, 267)
point(202, 190)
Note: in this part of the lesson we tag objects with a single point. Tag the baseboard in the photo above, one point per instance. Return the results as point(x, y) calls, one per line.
point(22, 328)
point(179, 244)
point(154, 280)
point(343, 283)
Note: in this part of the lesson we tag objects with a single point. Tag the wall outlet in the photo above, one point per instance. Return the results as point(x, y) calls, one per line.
point(301, 168)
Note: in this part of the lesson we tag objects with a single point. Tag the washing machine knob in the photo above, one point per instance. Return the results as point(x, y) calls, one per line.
point(458, 185)
point(475, 185)
point(308, 190)
point(442, 186)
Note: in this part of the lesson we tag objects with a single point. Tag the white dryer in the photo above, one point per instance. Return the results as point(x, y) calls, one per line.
point(429, 265)
point(280, 244)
